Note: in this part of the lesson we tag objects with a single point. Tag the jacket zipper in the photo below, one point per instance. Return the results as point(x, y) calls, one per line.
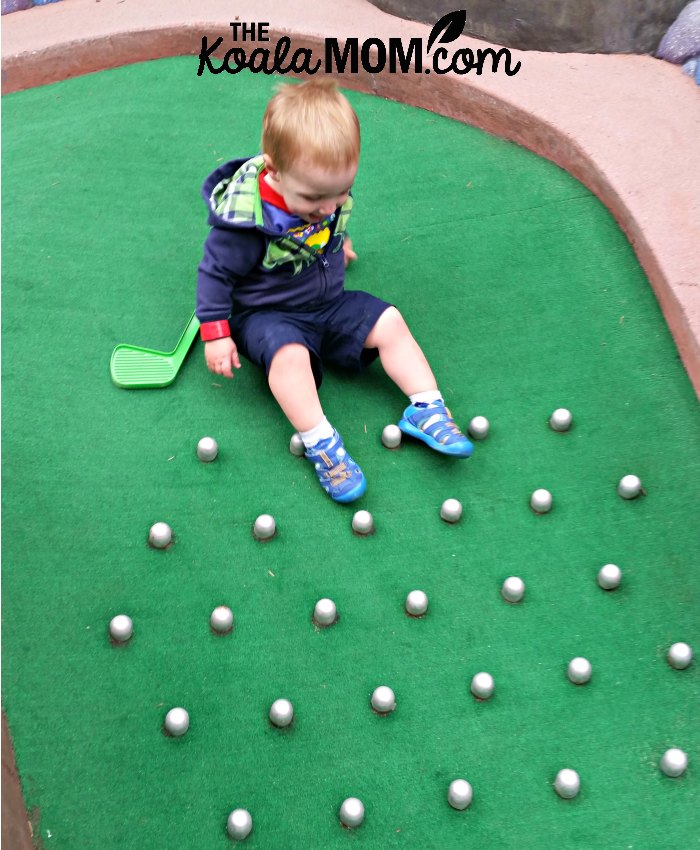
point(316, 256)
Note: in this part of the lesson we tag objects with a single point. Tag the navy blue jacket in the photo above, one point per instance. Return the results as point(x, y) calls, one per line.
point(248, 265)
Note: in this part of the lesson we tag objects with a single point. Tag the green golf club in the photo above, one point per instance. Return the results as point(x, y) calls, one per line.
point(133, 367)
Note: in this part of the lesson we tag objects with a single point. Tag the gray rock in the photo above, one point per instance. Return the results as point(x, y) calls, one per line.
point(563, 26)
point(15, 6)
point(682, 41)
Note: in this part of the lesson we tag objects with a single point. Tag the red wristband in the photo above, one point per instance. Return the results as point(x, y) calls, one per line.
point(214, 330)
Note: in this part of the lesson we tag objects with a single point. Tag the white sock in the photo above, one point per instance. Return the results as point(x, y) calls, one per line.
point(427, 397)
point(322, 431)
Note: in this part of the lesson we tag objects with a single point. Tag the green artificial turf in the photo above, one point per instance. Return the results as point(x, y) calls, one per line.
point(525, 296)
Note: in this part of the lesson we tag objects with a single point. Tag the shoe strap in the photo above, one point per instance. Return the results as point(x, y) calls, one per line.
point(324, 457)
point(335, 474)
point(439, 423)
point(338, 474)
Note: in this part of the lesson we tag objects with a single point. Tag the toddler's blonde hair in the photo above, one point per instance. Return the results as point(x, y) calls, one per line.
point(311, 121)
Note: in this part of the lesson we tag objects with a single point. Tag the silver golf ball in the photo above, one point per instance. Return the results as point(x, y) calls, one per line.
point(609, 576)
point(579, 671)
point(239, 824)
point(352, 812)
point(483, 686)
point(674, 762)
point(391, 436)
point(459, 794)
point(177, 722)
point(416, 603)
point(451, 510)
point(629, 487)
point(264, 527)
point(281, 713)
point(325, 612)
point(560, 420)
point(160, 535)
point(296, 445)
point(207, 449)
point(362, 522)
point(567, 783)
point(479, 428)
point(221, 619)
point(383, 700)
point(120, 628)
point(513, 589)
point(680, 656)
point(541, 501)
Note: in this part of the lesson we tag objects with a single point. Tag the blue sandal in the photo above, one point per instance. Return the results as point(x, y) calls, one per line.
point(433, 424)
point(337, 472)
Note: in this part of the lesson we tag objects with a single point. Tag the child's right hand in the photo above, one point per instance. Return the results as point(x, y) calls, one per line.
point(221, 355)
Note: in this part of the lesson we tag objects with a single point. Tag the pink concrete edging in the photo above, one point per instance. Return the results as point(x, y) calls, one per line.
point(626, 126)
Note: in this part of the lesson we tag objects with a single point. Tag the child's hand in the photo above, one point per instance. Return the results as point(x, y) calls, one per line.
point(221, 355)
point(349, 254)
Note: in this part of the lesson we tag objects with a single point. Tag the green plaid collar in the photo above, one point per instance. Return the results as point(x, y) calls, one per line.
point(236, 199)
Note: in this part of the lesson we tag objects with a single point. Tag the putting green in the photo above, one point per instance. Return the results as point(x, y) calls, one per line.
point(525, 296)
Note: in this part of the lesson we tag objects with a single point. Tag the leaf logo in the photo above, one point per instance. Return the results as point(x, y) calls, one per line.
point(451, 25)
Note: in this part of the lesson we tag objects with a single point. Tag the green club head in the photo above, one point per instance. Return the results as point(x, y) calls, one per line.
point(134, 368)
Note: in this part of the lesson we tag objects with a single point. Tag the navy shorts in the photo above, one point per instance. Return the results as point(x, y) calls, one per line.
point(334, 333)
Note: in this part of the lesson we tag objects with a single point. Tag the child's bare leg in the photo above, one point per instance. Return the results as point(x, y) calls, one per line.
point(400, 355)
point(292, 384)
point(426, 418)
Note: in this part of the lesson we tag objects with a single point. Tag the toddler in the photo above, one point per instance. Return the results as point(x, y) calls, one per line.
point(271, 283)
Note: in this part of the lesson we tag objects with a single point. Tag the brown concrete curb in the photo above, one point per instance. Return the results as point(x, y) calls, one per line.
point(625, 126)
point(15, 824)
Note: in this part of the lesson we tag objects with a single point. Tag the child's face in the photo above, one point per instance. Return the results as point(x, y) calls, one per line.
point(311, 192)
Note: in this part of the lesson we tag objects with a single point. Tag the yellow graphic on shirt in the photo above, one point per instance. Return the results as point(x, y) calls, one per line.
point(284, 250)
point(316, 240)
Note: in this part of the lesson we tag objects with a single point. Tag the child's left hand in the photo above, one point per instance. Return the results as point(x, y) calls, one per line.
point(349, 254)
